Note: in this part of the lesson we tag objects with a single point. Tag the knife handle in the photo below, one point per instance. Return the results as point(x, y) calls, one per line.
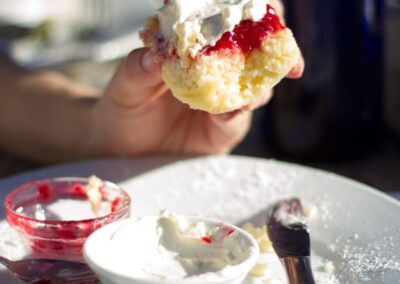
point(299, 270)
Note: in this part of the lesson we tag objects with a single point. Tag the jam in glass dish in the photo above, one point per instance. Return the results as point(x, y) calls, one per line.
point(54, 217)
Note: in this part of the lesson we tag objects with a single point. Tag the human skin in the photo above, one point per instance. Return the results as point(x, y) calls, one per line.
point(47, 117)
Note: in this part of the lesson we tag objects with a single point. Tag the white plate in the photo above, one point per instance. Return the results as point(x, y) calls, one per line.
point(356, 227)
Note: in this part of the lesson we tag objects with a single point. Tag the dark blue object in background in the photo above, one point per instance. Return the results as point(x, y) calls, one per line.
point(335, 110)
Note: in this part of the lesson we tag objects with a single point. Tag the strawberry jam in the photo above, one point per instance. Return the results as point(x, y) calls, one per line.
point(248, 34)
point(115, 204)
point(45, 193)
point(219, 236)
point(79, 190)
point(53, 216)
point(207, 239)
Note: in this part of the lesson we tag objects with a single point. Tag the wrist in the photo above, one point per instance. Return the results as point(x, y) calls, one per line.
point(101, 124)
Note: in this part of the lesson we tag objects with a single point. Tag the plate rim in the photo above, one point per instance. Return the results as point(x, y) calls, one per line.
point(173, 159)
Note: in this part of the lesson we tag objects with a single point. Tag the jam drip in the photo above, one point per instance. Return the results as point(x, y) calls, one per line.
point(220, 236)
point(248, 34)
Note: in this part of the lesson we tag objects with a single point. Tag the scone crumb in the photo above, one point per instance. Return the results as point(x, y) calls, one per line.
point(311, 212)
point(329, 267)
point(259, 270)
point(93, 193)
point(261, 236)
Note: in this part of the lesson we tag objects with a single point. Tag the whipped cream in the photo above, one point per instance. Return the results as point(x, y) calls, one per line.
point(192, 25)
point(169, 248)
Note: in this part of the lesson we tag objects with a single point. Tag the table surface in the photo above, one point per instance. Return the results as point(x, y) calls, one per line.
point(378, 169)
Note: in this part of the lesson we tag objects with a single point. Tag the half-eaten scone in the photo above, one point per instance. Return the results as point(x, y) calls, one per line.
point(221, 55)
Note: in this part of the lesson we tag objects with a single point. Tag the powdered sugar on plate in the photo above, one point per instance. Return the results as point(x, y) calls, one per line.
point(371, 261)
point(11, 245)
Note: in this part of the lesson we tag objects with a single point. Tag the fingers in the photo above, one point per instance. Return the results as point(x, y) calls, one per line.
point(230, 129)
point(297, 71)
point(259, 102)
point(224, 117)
point(137, 80)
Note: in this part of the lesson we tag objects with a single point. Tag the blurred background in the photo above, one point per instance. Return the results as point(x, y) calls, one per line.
point(342, 116)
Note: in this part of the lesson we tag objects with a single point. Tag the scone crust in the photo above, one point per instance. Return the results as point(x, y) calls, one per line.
point(228, 80)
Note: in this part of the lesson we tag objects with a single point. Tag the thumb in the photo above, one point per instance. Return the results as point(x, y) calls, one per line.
point(137, 80)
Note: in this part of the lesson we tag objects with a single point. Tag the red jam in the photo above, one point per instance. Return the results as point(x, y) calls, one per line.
point(79, 190)
point(248, 35)
point(103, 192)
point(115, 204)
point(227, 231)
point(207, 240)
point(53, 237)
point(45, 193)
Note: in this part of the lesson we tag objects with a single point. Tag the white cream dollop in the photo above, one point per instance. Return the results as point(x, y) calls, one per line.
point(193, 24)
point(171, 248)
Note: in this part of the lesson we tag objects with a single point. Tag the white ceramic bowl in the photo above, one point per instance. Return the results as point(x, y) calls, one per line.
point(107, 263)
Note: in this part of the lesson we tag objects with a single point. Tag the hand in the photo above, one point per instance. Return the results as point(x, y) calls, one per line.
point(138, 114)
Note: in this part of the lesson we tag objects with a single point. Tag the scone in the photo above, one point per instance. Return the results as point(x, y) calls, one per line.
point(221, 55)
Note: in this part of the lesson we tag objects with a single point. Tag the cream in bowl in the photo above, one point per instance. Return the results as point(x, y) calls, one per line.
point(171, 249)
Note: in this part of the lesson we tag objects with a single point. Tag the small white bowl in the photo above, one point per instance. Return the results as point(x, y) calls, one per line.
point(112, 262)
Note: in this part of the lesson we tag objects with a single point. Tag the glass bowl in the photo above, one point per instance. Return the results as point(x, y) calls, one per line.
point(54, 216)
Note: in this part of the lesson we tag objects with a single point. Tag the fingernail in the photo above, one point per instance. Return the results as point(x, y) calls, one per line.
point(151, 62)
point(296, 72)
point(301, 66)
